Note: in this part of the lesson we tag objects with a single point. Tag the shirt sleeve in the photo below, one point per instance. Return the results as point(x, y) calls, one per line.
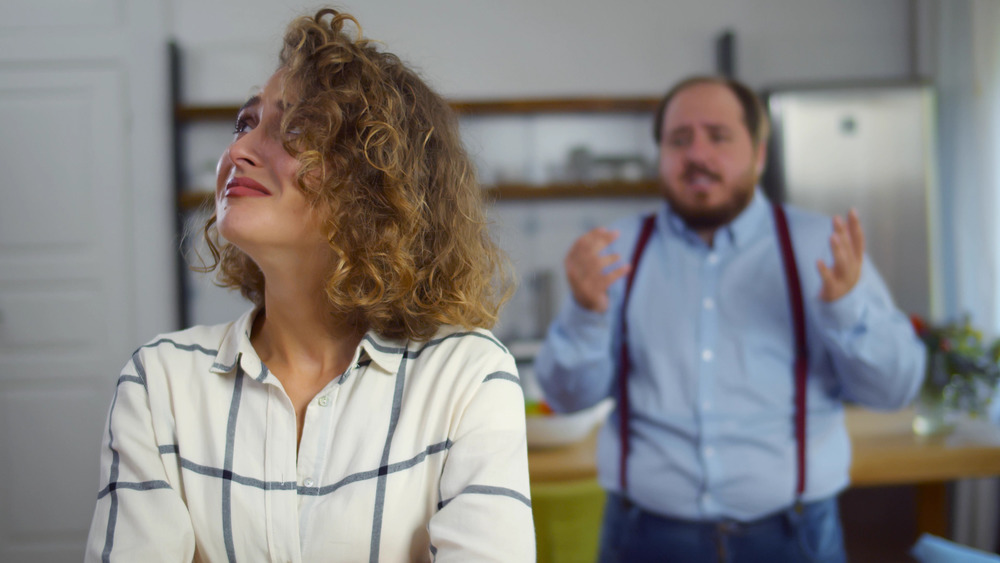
point(876, 354)
point(576, 364)
point(574, 367)
point(485, 509)
point(139, 516)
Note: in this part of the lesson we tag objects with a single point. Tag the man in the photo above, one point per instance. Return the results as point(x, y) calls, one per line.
point(706, 464)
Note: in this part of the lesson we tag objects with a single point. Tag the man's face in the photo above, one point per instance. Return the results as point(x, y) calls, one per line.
point(708, 162)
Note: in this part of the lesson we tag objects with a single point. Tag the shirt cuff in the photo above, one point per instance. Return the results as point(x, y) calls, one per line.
point(583, 320)
point(847, 312)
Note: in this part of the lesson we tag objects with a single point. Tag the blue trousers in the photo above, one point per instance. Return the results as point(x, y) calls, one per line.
point(811, 534)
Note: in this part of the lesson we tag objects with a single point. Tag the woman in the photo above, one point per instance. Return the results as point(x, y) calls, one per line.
point(356, 413)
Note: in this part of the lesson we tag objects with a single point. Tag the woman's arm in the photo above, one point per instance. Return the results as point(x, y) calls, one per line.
point(139, 515)
point(485, 509)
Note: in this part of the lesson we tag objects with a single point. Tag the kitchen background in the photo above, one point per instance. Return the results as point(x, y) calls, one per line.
point(87, 232)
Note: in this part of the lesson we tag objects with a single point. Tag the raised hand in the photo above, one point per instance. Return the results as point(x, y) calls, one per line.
point(848, 245)
point(585, 267)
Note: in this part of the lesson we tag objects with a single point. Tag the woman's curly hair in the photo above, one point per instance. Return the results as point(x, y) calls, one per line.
point(380, 155)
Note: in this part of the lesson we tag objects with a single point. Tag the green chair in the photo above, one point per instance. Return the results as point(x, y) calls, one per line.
point(567, 520)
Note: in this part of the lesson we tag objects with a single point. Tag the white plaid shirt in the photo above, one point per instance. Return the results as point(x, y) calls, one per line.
point(416, 453)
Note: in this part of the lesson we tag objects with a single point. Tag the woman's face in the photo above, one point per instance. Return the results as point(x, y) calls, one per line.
point(259, 206)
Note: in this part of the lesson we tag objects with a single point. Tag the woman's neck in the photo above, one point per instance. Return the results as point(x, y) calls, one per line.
point(301, 343)
point(296, 335)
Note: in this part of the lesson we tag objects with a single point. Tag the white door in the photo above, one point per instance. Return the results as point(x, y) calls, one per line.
point(75, 229)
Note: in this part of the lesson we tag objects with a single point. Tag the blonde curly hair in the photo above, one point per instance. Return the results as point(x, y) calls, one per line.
point(379, 153)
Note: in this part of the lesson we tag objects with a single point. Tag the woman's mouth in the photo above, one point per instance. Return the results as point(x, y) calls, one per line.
point(245, 187)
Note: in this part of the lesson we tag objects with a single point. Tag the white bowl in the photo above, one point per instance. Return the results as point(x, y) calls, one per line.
point(547, 431)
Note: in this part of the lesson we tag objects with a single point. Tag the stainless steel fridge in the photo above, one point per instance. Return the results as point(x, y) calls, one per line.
point(868, 146)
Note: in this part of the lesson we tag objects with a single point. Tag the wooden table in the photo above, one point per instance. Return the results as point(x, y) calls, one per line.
point(885, 451)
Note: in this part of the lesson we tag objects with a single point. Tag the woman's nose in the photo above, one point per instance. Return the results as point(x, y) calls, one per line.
point(245, 148)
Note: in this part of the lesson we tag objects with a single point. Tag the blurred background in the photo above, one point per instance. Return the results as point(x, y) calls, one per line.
point(113, 113)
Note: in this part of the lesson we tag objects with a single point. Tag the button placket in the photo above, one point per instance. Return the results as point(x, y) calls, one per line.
point(708, 326)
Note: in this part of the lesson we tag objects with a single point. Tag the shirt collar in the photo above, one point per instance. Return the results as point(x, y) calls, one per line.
point(235, 348)
point(751, 221)
point(385, 353)
point(744, 228)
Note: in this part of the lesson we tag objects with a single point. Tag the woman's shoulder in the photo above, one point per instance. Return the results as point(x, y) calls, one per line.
point(455, 339)
point(462, 361)
point(199, 343)
point(464, 352)
point(197, 334)
point(192, 338)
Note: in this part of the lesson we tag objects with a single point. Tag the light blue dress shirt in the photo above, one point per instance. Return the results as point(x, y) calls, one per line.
point(711, 387)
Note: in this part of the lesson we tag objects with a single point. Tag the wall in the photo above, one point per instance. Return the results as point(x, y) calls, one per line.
point(84, 248)
point(525, 48)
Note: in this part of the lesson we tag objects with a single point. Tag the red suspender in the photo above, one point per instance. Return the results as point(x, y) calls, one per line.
point(801, 350)
point(623, 360)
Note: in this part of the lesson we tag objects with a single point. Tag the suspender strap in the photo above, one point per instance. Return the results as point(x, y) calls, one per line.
point(801, 349)
point(801, 364)
point(623, 361)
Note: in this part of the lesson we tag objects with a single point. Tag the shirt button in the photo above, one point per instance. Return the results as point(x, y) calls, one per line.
point(713, 258)
point(708, 303)
point(709, 451)
point(706, 355)
point(308, 482)
point(323, 401)
point(707, 405)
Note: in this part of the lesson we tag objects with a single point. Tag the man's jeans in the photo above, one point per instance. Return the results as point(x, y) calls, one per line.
point(810, 534)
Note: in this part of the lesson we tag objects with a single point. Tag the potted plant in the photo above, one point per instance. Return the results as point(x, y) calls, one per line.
point(961, 378)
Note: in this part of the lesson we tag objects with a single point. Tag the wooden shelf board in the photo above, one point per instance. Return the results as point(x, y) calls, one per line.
point(554, 105)
point(193, 199)
point(609, 189)
point(189, 113)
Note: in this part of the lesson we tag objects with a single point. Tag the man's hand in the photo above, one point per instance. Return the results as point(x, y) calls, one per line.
point(848, 245)
point(585, 269)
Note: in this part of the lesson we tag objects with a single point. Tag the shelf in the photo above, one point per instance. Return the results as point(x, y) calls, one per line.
point(557, 105)
point(191, 200)
point(190, 113)
point(608, 189)
point(187, 114)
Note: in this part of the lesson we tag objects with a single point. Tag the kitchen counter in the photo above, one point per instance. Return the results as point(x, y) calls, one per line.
point(885, 452)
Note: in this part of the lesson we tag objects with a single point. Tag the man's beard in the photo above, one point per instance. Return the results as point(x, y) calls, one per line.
point(699, 218)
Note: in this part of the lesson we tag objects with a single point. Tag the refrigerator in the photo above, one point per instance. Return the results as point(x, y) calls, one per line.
point(871, 147)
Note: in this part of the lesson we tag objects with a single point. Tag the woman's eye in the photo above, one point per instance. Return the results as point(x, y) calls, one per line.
point(242, 126)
